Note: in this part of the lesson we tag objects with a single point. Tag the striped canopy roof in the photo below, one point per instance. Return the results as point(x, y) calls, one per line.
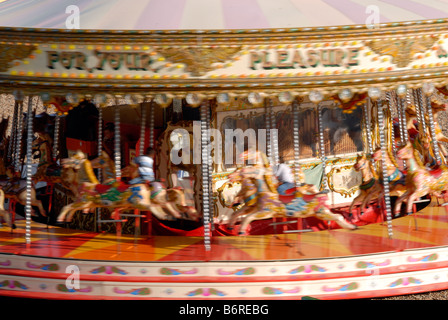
point(214, 14)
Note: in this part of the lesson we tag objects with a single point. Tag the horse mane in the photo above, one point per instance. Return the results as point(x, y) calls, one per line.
point(89, 171)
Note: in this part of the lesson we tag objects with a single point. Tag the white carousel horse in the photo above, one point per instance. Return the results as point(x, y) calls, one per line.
point(261, 200)
point(420, 181)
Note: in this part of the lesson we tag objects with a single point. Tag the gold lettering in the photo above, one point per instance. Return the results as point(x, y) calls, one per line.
point(254, 59)
point(267, 64)
point(52, 57)
point(313, 58)
point(102, 57)
point(80, 61)
point(298, 59)
point(352, 54)
point(114, 59)
point(339, 56)
point(325, 58)
point(282, 56)
point(66, 59)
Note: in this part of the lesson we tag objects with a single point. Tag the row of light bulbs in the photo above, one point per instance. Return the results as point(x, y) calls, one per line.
point(195, 99)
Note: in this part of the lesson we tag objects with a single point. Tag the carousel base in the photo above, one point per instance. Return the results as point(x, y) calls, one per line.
point(332, 264)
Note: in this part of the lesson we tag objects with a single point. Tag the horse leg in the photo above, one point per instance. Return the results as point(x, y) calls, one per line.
point(251, 217)
point(82, 206)
point(327, 215)
point(158, 211)
point(359, 198)
point(238, 213)
point(69, 210)
point(38, 204)
point(410, 205)
point(399, 202)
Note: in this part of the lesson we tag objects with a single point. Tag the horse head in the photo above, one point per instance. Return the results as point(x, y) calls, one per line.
point(75, 162)
point(360, 163)
point(228, 192)
point(405, 151)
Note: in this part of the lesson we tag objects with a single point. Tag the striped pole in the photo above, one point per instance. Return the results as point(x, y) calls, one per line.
point(142, 129)
point(117, 151)
point(29, 167)
point(295, 114)
point(57, 122)
point(432, 130)
point(274, 135)
point(19, 138)
point(206, 203)
point(384, 169)
point(322, 146)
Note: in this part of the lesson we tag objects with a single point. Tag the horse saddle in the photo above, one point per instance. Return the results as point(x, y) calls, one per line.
point(104, 188)
point(436, 173)
point(53, 170)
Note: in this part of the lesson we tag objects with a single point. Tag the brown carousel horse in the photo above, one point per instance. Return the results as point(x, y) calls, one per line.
point(15, 190)
point(3, 213)
point(47, 169)
point(395, 176)
point(261, 199)
point(116, 194)
point(370, 187)
point(420, 181)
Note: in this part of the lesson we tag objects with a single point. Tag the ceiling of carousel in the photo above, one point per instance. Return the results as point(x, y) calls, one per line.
point(214, 14)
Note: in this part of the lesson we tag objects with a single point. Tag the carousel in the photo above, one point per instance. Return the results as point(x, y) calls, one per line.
point(293, 155)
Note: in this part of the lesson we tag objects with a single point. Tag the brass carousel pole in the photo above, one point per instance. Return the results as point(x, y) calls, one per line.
point(206, 174)
point(19, 139)
point(274, 134)
point(323, 157)
point(151, 124)
point(268, 129)
point(117, 156)
point(98, 100)
point(13, 134)
point(375, 94)
point(368, 126)
point(295, 115)
point(401, 95)
point(29, 168)
point(428, 90)
point(316, 97)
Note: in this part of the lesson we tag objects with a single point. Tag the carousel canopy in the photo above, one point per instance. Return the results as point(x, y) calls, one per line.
point(214, 14)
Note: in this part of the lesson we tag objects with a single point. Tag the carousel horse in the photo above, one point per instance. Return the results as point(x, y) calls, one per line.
point(440, 137)
point(370, 187)
point(395, 177)
point(3, 213)
point(47, 169)
point(15, 190)
point(115, 194)
point(261, 200)
point(107, 165)
point(419, 180)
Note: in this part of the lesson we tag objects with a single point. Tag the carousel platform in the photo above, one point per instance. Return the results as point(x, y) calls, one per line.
point(329, 264)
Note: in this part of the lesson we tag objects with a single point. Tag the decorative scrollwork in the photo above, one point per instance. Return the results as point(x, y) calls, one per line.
point(401, 50)
point(199, 61)
point(12, 52)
